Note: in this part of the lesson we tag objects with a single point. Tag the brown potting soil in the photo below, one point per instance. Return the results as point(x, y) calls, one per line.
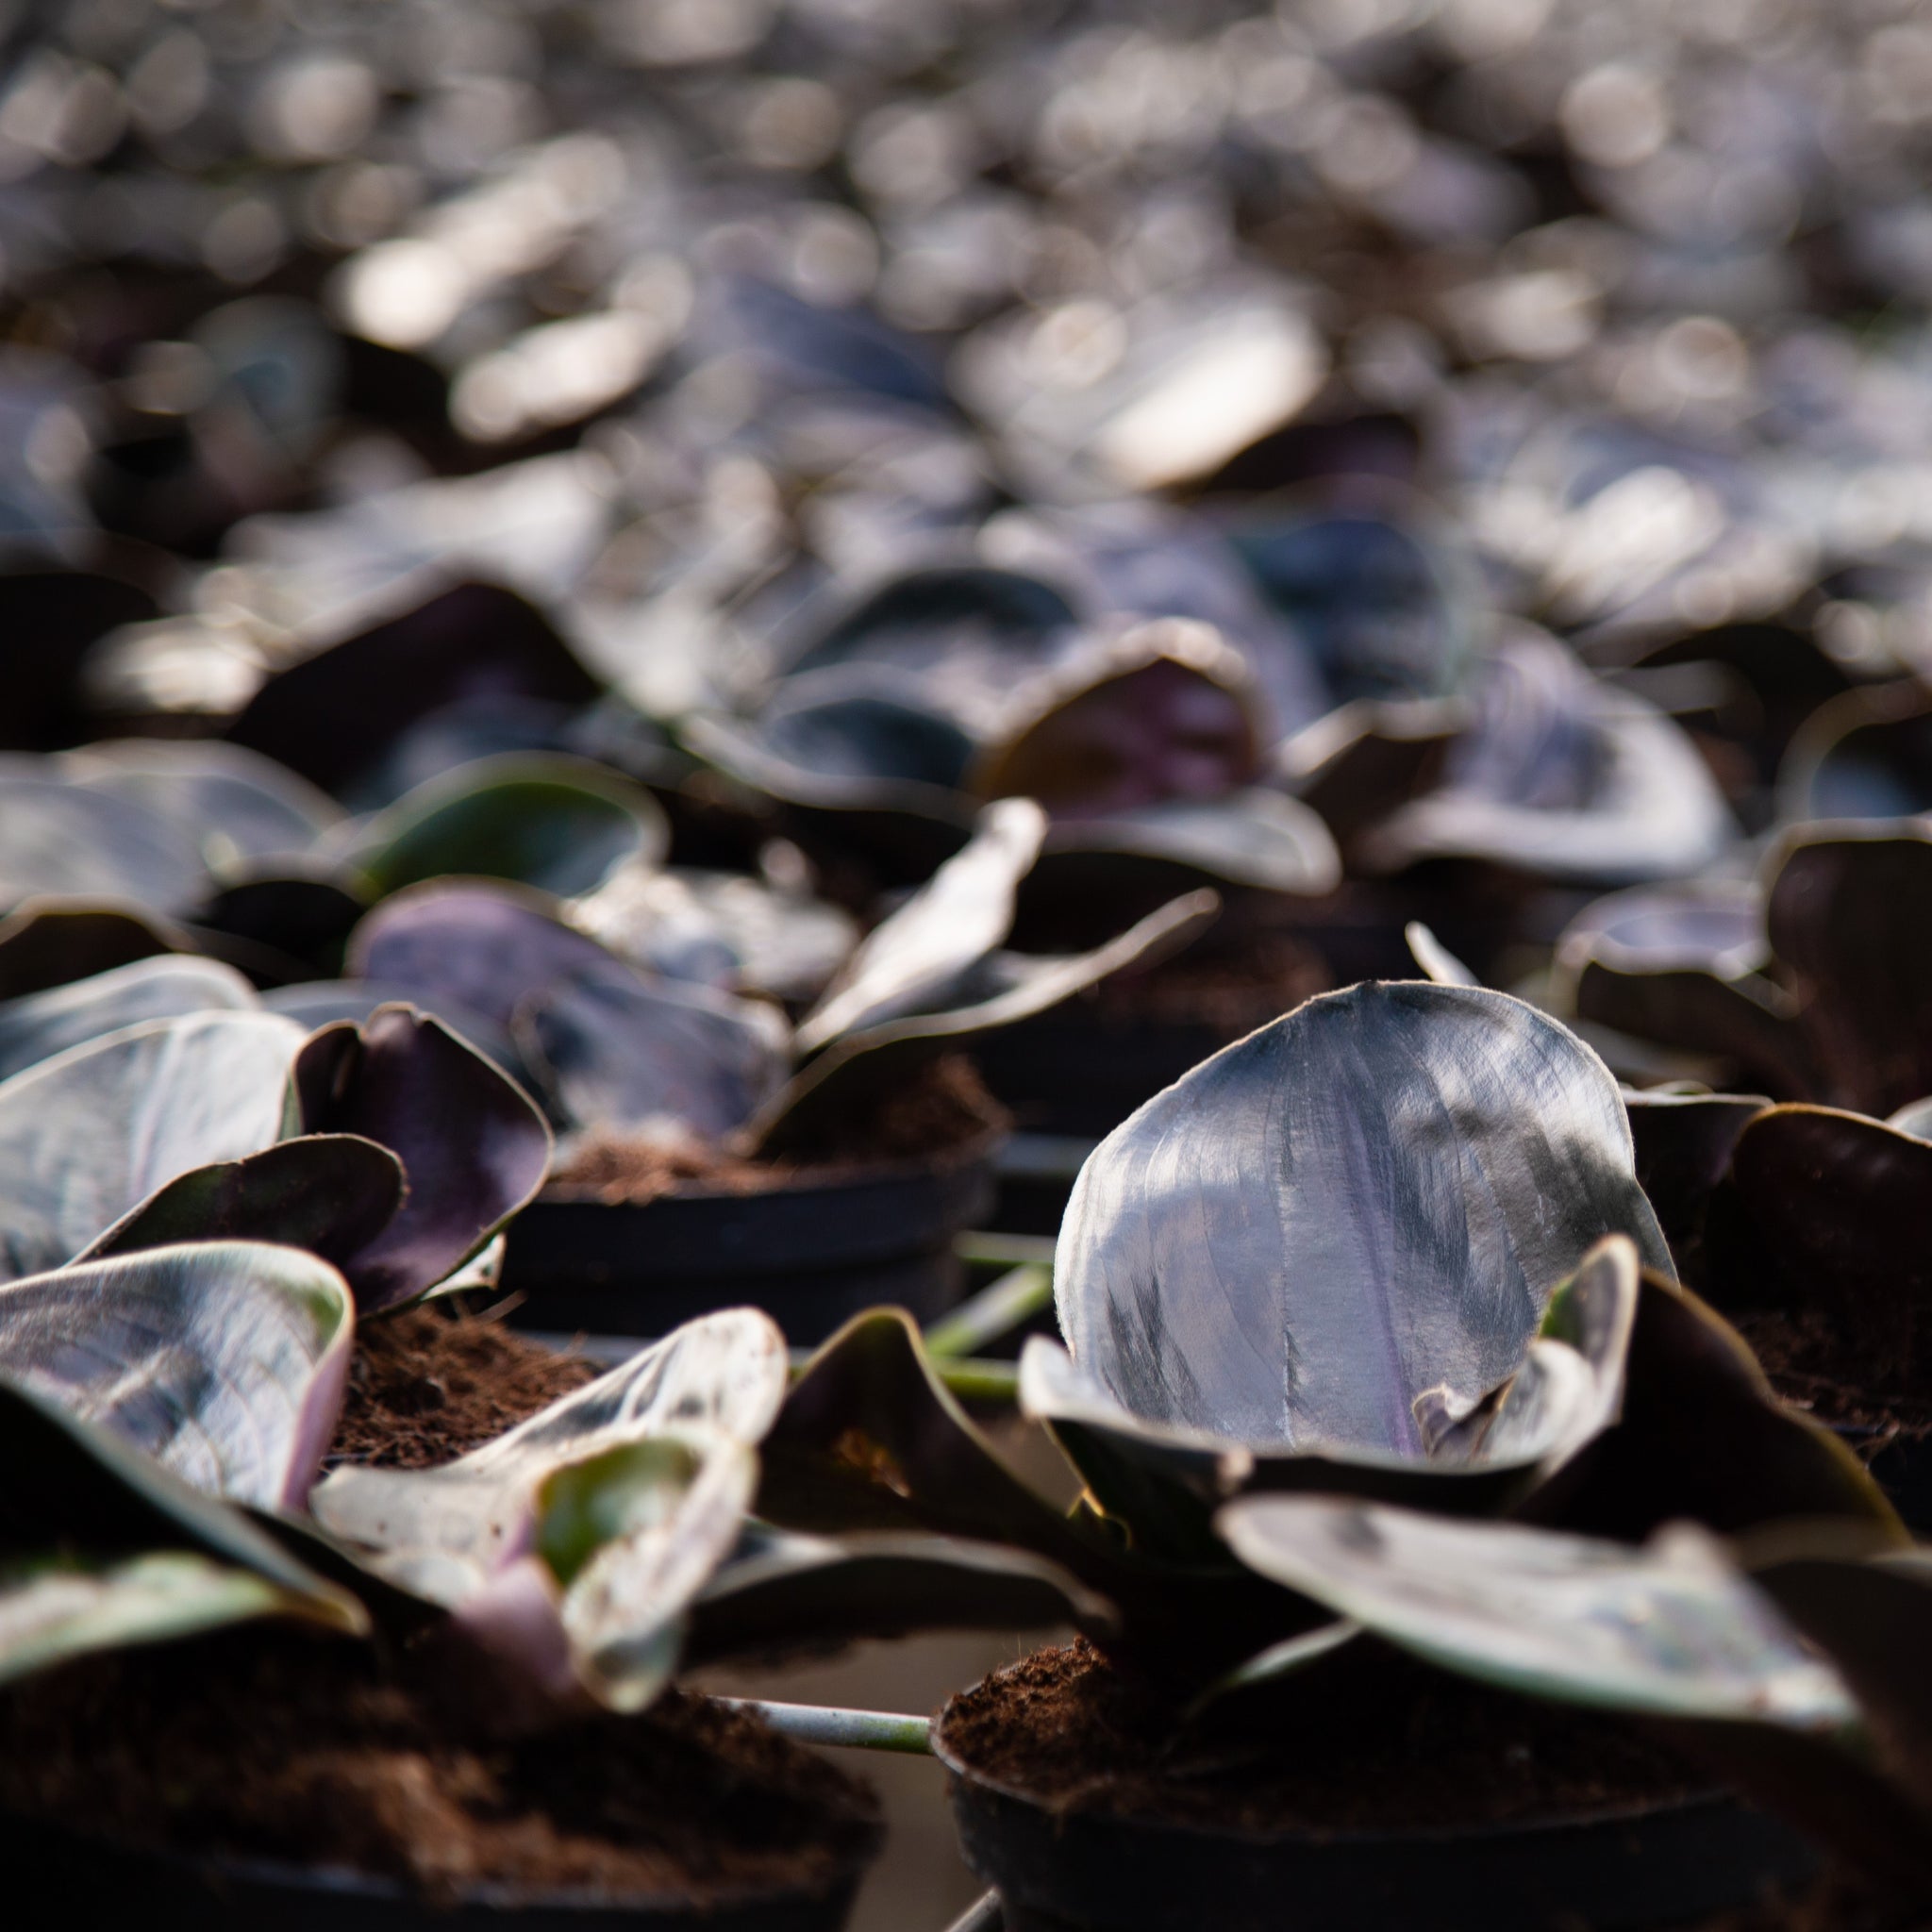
point(1812, 1365)
point(275, 1744)
point(1075, 1733)
point(1231, 991)
point(434, 1382)
point(944, 1105)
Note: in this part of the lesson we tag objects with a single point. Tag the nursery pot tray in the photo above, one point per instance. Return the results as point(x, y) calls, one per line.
point(1614, 1871)
point(57, 1879)
point(813, 1249)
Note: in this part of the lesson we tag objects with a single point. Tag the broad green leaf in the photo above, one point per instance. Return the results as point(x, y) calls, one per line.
point(556, 823)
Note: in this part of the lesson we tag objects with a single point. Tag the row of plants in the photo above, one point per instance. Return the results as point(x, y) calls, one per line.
point(762, 758)
point(1405, 1457)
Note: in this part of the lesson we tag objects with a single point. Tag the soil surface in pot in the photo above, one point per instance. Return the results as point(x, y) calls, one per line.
point(273, 1745)
point(942, 1106)
point(1814, 1365)
point(1074, 1733)
point(1230, 990)
point(435, 1382)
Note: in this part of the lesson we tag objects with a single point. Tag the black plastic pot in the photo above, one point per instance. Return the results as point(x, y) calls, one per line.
point(1613, 1871)
point(813, 1252)
point(56, 1880)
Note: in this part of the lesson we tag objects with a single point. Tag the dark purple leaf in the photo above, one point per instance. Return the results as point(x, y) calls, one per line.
point(472, 1147)
point(330, 1194)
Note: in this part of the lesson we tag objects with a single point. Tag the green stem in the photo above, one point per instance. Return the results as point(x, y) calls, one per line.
point(998, 1309)
point(1004, 1250)
point(862, 1730)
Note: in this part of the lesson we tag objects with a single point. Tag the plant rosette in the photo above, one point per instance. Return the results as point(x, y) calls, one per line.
point(428, 1675)
point(1391, 1247)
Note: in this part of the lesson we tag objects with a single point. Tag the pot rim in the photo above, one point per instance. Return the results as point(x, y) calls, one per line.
point(832, 1178)
point(1316, 1837)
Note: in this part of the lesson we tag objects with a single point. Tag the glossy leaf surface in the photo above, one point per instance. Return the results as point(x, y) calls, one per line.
point(559, 823)
point(484, 946)
point(860, 1066)
point(87, 1134)
point(445, 1532)
point(1668, 1630)
point(614, 1052)
point(1164, 713)
point(917, 958)
point(37, 1025)
point(53, 1611)
point(1368, 1198)
point(224, 1360)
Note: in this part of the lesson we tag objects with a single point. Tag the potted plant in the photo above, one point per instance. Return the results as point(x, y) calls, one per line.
point(713, 1150)
point(1798, 1219)
point(1473, 1334)
point(412, 1685)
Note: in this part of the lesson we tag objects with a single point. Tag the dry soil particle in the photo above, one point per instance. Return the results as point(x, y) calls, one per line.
point(434, 1382)
point(1075, 1733)
point(272, 1743)
point(944, 1105)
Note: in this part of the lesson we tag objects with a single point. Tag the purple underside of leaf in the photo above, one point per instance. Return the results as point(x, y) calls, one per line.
point(473, 1147)
point(489, 947)
point(224, 1361)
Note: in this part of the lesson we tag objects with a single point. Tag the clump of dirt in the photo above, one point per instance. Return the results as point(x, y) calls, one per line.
point(272, 1743)
point(944, 1104)
point(435, 1382)
point(1077, 1733)
point(1814, 1365)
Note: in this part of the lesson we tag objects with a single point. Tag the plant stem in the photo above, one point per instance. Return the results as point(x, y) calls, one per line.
point(998, 1309)
point(863, 1730)
point(978, 1249)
